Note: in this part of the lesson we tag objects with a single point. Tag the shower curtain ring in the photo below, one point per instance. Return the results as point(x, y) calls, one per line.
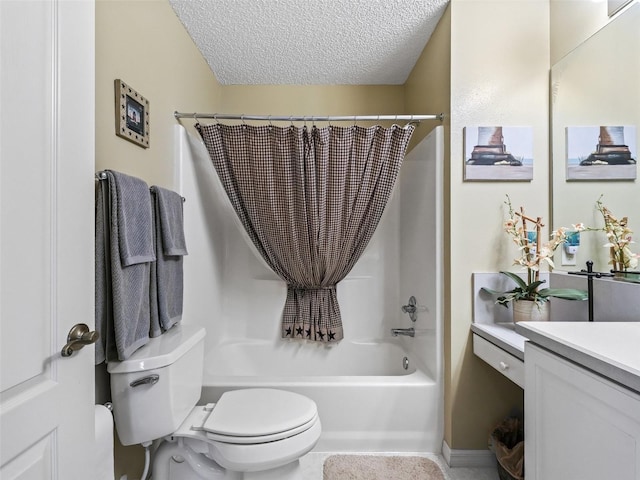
point(195, 117)
point(215, 117)
point(413, 121)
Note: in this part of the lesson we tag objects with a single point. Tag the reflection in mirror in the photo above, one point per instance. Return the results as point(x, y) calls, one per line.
point(596, 85)
point(613, 6)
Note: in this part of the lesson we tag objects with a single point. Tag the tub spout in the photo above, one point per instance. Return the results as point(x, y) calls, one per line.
point(409, 332)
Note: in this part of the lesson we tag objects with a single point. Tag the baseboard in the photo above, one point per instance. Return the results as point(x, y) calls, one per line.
point(468, 458)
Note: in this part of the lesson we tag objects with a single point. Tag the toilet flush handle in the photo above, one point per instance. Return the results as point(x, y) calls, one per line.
point(148, 380)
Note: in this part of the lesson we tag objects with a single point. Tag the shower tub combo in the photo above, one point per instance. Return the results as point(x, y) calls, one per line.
point(367, 400)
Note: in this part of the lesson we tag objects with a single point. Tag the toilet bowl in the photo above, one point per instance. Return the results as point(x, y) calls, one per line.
point(154, 395)
point(250, 430)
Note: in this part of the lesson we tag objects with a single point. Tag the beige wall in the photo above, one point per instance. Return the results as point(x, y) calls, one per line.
point(312, 99)
point(144, 44)
point(499, 76)
point(428, 88)
point(572, 22)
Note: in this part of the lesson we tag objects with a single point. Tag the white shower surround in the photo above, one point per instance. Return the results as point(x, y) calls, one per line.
point(366, 401)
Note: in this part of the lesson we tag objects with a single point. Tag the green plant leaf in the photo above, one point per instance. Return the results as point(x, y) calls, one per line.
point(517, 279)
point(491, 291)
point(564, 293)
point(524, 291)
point(532, 287)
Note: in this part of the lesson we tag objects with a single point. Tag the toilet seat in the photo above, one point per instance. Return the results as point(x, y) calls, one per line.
point(250, 416)
point(259, 415)
point(244, 440)
point(240, 450)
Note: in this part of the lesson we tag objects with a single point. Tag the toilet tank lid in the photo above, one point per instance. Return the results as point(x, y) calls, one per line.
point(160, 351)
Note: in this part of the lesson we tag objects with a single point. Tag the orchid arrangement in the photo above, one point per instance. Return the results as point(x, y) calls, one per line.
point(533, 254)
point(619, 238)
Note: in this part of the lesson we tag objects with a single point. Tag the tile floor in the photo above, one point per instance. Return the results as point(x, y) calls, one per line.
point(310, 468)
point(311, 465)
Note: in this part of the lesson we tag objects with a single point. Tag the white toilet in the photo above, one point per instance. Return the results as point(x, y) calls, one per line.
point(154, 395)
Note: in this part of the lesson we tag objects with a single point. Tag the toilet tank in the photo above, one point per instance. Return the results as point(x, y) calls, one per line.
point(154, 390)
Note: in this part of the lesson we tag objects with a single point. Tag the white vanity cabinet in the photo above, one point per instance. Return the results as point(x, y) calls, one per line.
point(581, 379)
point(582, 416)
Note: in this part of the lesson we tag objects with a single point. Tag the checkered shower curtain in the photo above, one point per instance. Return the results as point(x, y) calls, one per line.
point(310, 200)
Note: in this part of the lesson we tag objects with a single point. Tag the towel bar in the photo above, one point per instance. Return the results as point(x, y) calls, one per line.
point(103, 176)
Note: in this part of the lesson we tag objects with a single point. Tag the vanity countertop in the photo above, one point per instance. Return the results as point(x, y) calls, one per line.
point(611, 349)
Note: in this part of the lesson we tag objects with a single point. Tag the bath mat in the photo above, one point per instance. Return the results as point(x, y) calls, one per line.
point(376, 467)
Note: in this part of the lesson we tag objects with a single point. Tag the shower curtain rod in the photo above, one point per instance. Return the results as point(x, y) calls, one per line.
point(309, 118)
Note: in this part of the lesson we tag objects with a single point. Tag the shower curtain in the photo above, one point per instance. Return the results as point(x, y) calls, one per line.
point(310, 200)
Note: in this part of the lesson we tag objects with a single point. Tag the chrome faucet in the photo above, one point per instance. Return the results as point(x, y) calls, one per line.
point(408, 332)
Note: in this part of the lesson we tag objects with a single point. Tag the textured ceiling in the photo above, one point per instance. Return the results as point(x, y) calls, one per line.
point(302, 42)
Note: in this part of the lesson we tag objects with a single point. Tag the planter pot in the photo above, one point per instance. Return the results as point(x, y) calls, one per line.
point(530, 311)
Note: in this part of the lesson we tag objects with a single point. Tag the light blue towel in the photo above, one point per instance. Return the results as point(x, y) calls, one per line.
point(167, 272)
point(122, 291)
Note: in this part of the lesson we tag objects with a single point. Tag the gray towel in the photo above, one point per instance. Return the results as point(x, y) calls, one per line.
point(135, 219)
point(104, 318)
point(169, 209)
point(122, 292)
point(166, 272)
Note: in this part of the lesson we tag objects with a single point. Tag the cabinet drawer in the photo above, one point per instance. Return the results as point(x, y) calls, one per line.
point(508, 365)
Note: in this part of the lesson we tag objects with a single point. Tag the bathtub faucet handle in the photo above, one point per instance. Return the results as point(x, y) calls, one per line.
point(411, 309)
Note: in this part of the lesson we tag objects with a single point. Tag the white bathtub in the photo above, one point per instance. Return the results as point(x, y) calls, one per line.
point(366, 400)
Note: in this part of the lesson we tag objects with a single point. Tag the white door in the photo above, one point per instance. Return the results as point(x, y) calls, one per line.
point(46, 237)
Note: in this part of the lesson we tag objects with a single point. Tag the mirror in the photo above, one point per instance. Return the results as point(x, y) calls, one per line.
point(597, 85)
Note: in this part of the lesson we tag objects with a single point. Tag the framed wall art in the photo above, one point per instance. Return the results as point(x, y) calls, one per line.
point(498, 153)
point(132, 114)
point(604, 152)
